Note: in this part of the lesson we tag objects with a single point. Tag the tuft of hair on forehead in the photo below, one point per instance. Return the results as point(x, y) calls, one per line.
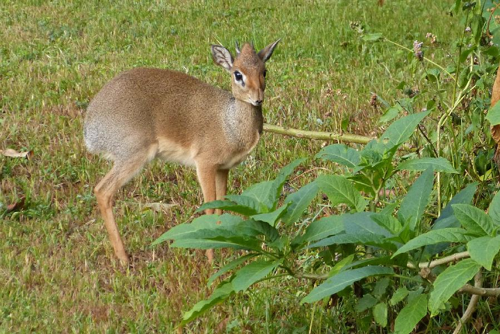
point(248, 56)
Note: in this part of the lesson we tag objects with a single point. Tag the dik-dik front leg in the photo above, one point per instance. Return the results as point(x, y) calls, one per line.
point(207, 175)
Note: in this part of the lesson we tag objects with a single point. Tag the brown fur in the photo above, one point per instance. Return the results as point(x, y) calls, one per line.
point(495, 130)
point(146, 113)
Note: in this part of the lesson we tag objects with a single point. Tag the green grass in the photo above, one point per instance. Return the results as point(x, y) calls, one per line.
point(57, 268)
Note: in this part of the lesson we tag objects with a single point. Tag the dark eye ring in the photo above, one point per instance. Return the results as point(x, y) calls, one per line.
point(238, 76)
point(265, 72)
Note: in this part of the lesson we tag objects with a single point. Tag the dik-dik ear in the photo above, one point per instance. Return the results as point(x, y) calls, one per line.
point(222, 57)
point(267, 52)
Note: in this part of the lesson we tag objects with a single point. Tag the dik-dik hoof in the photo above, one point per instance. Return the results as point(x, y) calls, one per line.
point(123, 258)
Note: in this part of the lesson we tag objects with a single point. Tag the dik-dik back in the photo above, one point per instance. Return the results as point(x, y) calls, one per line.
point(145, 113)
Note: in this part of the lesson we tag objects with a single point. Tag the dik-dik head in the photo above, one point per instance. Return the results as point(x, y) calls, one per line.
point(248, 70)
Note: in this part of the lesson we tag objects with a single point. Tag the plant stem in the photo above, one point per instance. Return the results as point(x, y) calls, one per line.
point(425, 58)
point(349, 138)
point(478, 283)
point(444, 260)
point(313, 276)
point(443, 118)
point(472, 290)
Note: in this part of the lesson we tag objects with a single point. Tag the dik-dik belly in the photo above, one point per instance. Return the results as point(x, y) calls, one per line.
point(171, 151)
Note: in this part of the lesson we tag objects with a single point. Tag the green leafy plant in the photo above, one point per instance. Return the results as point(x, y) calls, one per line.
point(372, 242)
point(393, 245)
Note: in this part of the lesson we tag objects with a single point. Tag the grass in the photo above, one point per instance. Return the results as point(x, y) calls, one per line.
point(57, 269)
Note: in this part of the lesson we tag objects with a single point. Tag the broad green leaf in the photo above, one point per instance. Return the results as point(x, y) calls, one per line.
point(227, 229)
point(388, 222)
point(389, 209)
point(375, 261)
point(447, 218)
point(493, 115)
point(449, 281)
point(230, 266)
point(235, 243)
point(413, 205)
point(402, 129)
point(474, 220)
point(372, 155)
point(222, 292)
point(252, 273)
point(399, 295)
point(432, 74)
point(248, 228)
point(298, 202)
point(390, 114)
point(204, 222)
point(380, 314)
point(340, 190)
point(438, 164)
point(248, 202)
point(279, 243)
point(361, 223)
point(366, 302)
point(381, 287)
point(271, 217)
point(343, 279)
point(280, 180)
point(434, 237)
point(483, 250)
point(340, 154)
point(494, 209)
point(415, 293)
point(339, 266)
point(341, 239)
point(228, 206)
point(320, 229)
point(261, 193)
point(411, 314)
point(372, 37)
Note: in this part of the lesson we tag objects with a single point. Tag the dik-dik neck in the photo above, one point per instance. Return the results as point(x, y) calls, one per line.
point(243, 122)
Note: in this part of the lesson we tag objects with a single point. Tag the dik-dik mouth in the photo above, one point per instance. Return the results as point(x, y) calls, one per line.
point(256, 103)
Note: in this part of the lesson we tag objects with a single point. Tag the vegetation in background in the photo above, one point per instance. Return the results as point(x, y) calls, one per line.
point(343, 66)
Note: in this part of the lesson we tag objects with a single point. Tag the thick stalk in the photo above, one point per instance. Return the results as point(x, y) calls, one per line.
point(347, 138)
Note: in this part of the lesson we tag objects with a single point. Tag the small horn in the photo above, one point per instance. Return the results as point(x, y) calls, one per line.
point(237, 48)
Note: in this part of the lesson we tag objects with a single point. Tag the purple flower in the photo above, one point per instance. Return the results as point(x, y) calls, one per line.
point(417, 49)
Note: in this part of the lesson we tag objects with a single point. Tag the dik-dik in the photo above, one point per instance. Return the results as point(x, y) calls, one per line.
point(146, 113)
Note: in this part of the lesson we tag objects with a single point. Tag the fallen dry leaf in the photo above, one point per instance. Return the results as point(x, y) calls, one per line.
point(160, 207)
point(14, 154)
point(19, 205)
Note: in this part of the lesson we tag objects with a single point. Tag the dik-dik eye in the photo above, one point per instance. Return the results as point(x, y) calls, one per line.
point(238, 76)
point(265, 72)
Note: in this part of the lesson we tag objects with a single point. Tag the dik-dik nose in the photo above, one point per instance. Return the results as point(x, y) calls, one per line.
point(258, 98)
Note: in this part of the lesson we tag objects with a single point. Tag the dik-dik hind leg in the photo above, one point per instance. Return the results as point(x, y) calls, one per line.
point(221, 186)
point(105, 190)
point(207, 176)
